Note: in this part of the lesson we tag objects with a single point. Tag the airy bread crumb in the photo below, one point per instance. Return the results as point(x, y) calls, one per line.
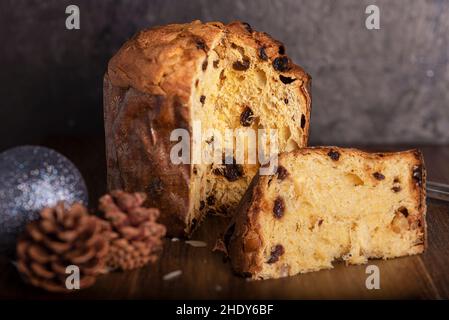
point(328, 204)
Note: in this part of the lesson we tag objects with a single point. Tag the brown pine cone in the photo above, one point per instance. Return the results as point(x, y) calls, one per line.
point(137, 237)
point(61, 237)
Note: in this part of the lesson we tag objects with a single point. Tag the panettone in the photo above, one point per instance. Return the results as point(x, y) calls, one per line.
point(223, 76)
point(325, 204)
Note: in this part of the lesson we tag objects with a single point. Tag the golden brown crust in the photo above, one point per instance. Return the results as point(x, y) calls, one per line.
point(245, 225)
point(147, 90)
point(137, 126)
point(244, 228)
point(422, 195)
point(150, 61)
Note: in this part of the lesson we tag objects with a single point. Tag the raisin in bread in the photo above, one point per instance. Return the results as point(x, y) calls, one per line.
point(329, 203)
point(168, 77)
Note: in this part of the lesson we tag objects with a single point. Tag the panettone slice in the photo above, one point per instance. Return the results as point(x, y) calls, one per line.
point(205, 77)
point(326, 204)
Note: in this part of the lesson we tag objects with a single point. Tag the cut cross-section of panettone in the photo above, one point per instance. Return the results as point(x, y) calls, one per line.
point(327, 204)
point(223, 76)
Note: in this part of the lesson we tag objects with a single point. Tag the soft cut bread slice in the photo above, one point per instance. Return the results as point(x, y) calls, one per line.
point(329, 203)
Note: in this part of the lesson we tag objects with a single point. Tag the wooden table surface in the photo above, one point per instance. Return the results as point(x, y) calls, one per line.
point(206, 276)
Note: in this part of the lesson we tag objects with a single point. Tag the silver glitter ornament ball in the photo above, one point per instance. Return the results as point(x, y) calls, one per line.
point(31, 178)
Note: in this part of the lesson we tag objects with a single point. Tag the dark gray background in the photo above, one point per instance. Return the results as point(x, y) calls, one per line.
point(369, 87)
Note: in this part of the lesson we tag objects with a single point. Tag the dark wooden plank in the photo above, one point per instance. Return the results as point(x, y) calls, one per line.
point(203, 271)
point(206, 276)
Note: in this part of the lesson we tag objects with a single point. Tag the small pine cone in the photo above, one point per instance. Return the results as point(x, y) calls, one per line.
point(60, 237)
point(136, 236)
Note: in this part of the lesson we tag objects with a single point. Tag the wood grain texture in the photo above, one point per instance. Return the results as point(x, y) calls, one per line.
point(206, 276)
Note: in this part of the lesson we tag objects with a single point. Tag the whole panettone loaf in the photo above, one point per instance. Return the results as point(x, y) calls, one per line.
point(325, 204)
point(221, 76)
